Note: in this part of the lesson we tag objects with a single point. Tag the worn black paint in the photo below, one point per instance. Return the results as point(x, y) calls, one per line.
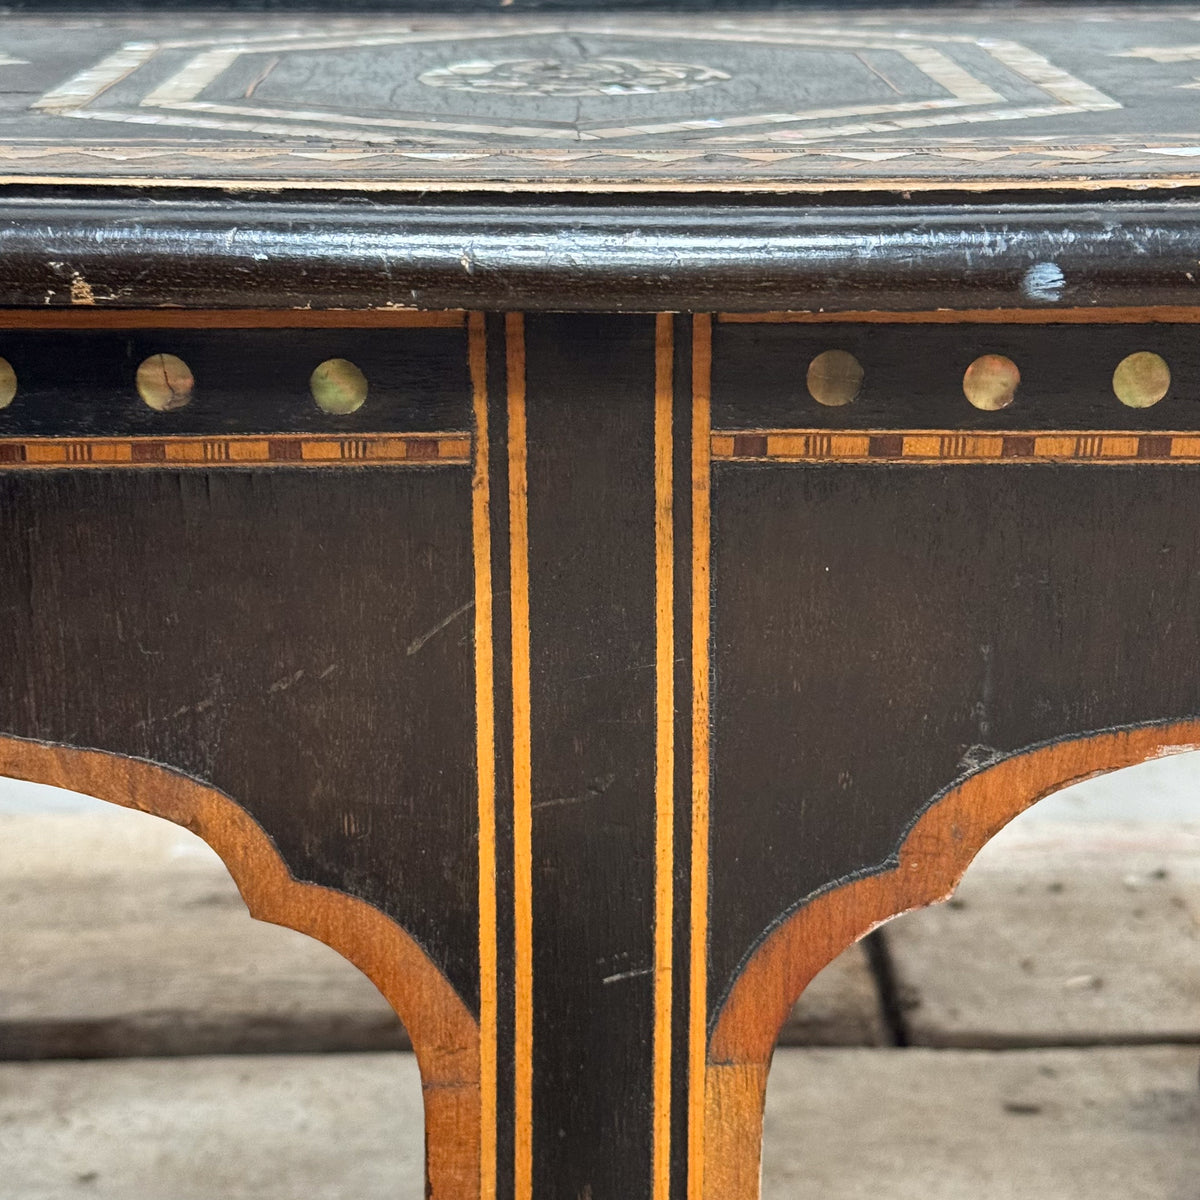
point(604, 257)
point(880, 632)
point(261, 632)
point(592, 637)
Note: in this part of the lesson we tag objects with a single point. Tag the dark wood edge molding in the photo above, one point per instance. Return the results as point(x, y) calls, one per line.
point(927, 867)
point(605, 257)
point(444, 1034)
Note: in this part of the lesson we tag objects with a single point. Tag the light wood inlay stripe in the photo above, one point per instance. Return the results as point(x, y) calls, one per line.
point(664, 784)
point(486, 761)
point(518, 520)
point(698, 916)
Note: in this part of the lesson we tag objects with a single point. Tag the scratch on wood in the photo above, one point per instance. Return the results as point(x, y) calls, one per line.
point(418, 642)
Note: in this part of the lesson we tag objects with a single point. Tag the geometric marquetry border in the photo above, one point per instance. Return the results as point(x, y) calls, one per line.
point(936, 445)
point(417, 449)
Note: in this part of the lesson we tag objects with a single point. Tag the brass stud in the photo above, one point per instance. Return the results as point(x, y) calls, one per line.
point(1141, 379)
point(834, 378)
point(165, 382)
point(338, 387)
point(990, 382)
point(8, 383)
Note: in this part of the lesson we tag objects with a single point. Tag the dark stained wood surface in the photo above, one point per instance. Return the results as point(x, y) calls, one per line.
point(630, 716)
point(934, 622)
point(245, 619)
point(592, 630)
point(1063, 95)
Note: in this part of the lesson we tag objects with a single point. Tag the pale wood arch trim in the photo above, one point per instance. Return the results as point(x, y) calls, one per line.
point(933, 857)
point(444, 1034)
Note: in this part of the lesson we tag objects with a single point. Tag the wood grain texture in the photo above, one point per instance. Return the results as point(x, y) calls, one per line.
point(930, 861)
point(123, 936)
point(444, 1033)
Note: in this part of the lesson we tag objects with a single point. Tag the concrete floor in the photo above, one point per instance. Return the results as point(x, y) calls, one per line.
point(851, 1124)
point(1111, 957)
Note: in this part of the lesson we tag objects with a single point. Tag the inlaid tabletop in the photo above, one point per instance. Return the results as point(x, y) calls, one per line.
point(1058, 96)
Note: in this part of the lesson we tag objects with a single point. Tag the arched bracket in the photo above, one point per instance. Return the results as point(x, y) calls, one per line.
point(927, 867)
point(445, 1036)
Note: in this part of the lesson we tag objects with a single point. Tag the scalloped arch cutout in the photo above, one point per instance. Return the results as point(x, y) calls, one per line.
point(931, 860)
point(444, 1034)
